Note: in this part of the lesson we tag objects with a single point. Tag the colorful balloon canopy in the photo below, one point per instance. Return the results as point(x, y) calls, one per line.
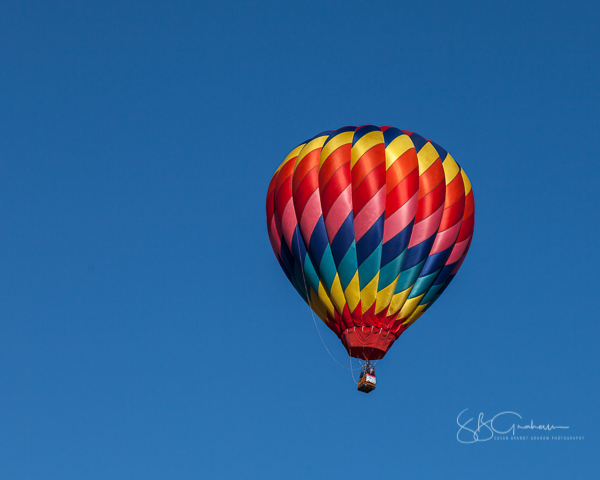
point(370, 225)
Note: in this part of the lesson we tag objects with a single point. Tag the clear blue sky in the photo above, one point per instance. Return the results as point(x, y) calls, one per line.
point(146, 330)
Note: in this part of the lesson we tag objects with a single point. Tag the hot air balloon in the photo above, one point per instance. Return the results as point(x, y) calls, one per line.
point(370, 225)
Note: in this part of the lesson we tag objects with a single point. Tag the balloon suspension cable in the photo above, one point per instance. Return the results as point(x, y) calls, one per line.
point(369, 362)
point(313, 314)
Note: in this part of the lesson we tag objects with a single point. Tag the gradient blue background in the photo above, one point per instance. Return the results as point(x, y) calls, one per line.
point(146, 330)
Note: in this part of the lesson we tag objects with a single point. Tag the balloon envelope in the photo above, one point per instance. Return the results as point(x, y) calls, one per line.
point(370, 225)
